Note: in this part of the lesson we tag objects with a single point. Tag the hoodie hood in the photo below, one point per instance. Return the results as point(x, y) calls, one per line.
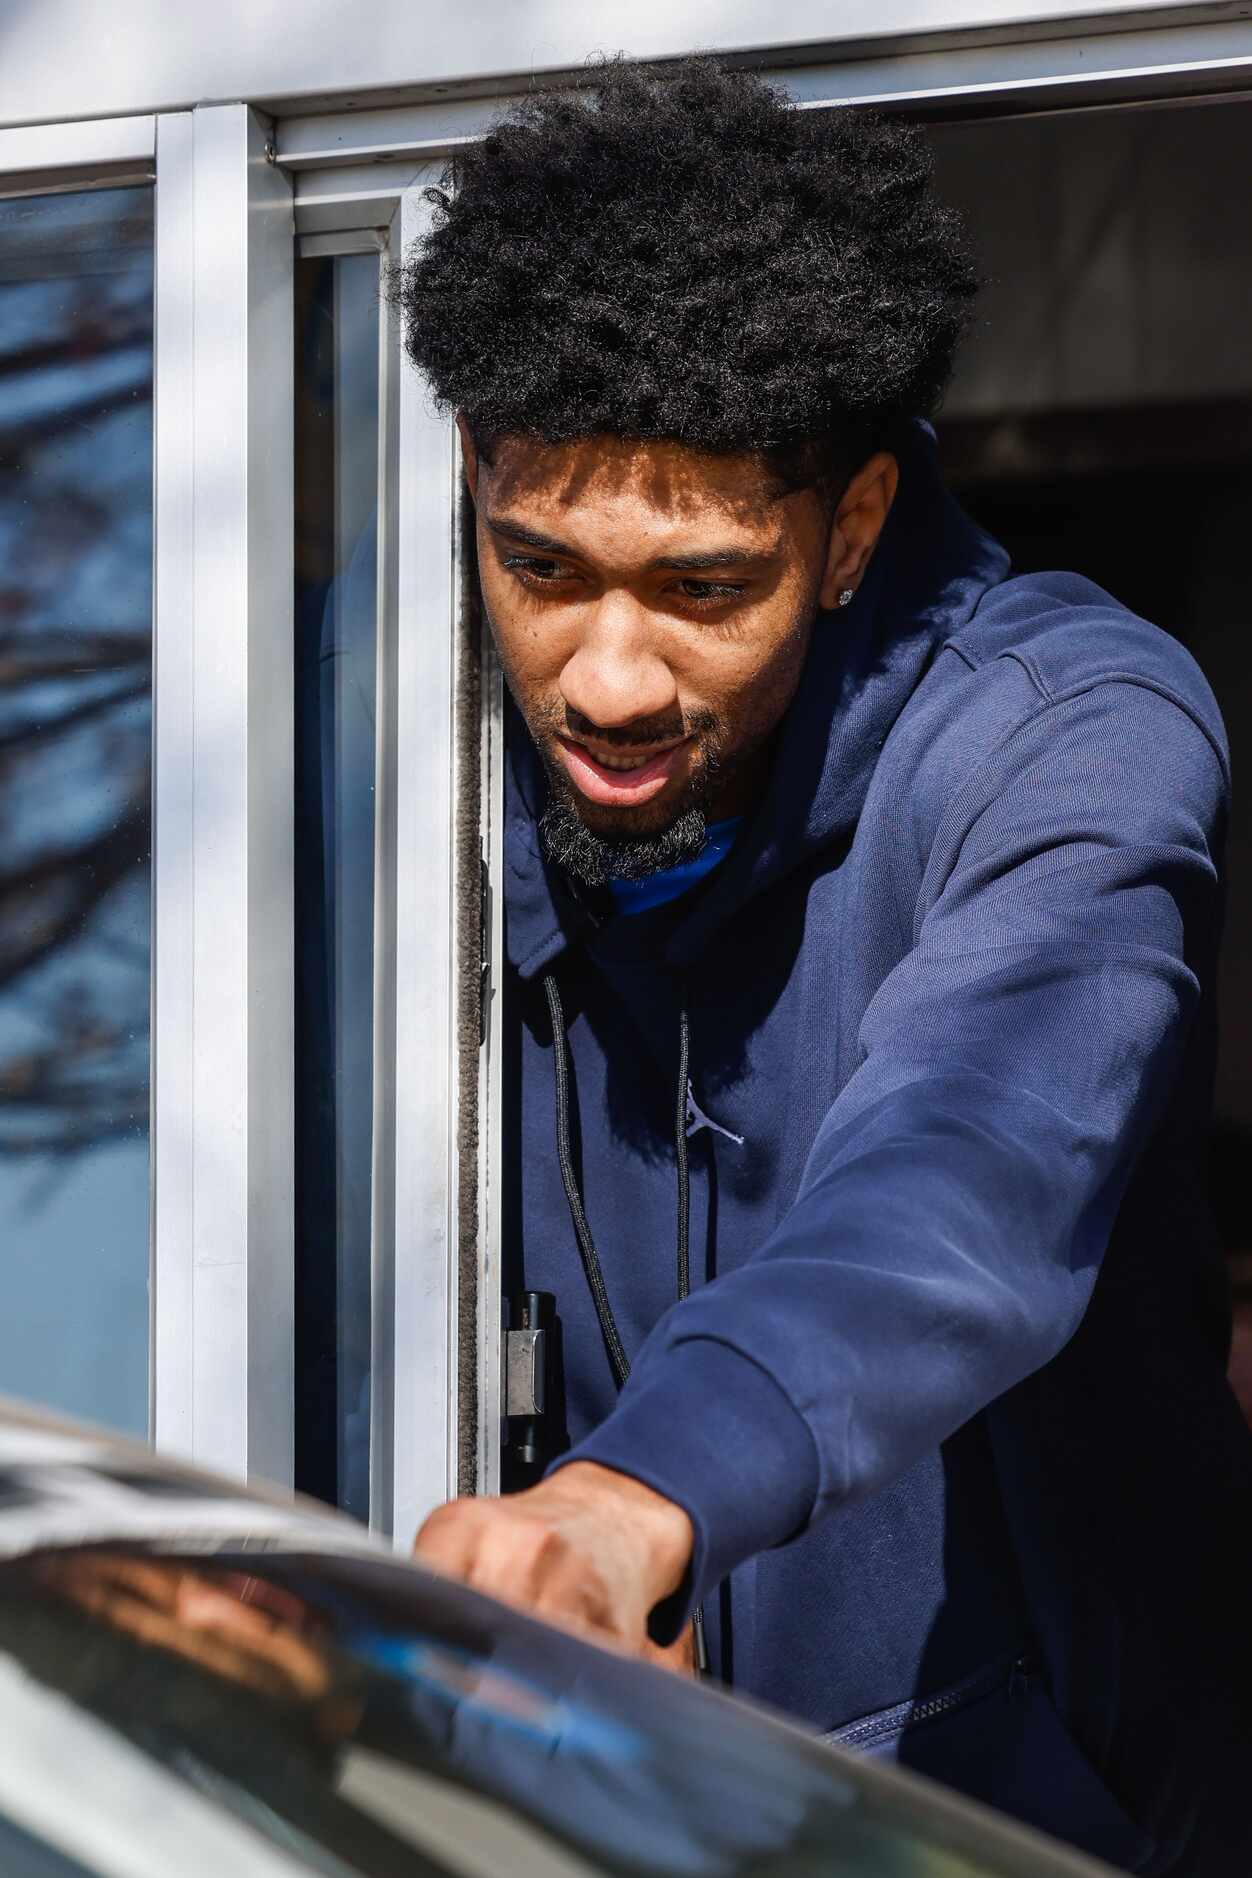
point(931, 567)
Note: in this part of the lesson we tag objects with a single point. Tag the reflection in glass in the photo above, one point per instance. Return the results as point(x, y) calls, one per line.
point(336, 594)
point(75, 742)
point(361, 1718)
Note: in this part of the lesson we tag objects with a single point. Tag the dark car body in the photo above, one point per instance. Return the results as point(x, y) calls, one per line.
point(196, 1678)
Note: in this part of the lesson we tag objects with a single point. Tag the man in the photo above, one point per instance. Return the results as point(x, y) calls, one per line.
point(861, 904)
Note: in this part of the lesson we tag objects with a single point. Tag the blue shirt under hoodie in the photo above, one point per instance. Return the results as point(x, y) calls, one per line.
point(947, 1403)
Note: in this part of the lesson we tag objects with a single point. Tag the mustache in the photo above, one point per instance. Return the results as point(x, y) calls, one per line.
point(559, 722)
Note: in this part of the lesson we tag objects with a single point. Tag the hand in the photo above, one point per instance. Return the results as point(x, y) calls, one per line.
point(589, 1549)
point(241, 1629)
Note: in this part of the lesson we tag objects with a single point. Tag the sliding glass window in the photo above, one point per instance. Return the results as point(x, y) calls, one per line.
point(337, 350)
point(76, 367)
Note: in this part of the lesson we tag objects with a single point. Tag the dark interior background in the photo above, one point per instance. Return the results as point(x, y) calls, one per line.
point(1101, 420)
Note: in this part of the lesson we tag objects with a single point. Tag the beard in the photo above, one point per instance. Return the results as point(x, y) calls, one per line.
point(595, 859)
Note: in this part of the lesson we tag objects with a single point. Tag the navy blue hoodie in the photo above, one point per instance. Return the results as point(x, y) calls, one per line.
point(947, 1404)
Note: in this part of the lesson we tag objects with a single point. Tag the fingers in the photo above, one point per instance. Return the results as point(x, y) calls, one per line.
point(536, 1558)
point(590, 1550)
point(485, 1543)
point(447, 1541)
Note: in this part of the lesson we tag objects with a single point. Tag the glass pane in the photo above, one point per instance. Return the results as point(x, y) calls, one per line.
point(75, 747)
point(336, 593)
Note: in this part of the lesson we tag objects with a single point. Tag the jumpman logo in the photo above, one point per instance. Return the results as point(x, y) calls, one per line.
point(697, 1119)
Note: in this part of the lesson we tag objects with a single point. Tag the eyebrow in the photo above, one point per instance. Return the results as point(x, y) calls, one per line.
point(698, 562)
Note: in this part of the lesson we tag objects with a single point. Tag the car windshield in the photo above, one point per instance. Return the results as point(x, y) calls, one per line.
point(267, 1714)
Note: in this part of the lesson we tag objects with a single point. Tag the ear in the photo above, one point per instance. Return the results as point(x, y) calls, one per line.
point(863, 508)
point(469, 456)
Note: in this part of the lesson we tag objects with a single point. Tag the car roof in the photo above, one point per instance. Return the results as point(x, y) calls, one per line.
point(64, 1484)
point(516, 1687)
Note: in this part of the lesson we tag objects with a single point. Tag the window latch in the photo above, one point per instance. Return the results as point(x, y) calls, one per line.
point(525, 1380)
point(528, 1356)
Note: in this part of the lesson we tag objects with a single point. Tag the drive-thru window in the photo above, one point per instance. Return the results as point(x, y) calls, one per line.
point(250, 1059)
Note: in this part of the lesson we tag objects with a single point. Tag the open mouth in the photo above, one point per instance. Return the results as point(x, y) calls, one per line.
point(624, 780)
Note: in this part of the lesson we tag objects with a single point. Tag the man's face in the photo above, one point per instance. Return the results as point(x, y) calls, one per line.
point(652, 609)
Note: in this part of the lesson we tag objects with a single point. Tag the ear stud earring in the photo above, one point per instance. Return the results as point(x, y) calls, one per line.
point(846, 595)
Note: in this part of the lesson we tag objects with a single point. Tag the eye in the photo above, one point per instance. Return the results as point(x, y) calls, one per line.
point(709, 592)
point(536, 567)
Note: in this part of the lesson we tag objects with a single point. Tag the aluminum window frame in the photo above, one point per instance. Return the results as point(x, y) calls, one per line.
point(351, 168)
point(435, 1379)
point(220, 1257)
point(221, 1363)
point(220, 1242)
point(223, 982)
point(434, 1425)
point(296, 56)
point(53, 159)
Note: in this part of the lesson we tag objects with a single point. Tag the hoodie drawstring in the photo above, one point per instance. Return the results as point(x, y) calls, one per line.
point(680, 1152)
point(569, 1180)
point(582, 1231)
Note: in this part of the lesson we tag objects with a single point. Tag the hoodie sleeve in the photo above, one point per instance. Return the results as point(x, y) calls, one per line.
point(950, 1223)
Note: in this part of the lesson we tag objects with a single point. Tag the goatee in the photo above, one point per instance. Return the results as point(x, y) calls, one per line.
point(594, 860)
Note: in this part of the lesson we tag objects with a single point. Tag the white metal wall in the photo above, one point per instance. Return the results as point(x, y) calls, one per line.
point(68, 59)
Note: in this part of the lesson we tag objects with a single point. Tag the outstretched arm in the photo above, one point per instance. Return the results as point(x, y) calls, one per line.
point(959, 1196)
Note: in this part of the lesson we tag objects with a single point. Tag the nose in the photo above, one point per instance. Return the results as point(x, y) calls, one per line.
point(616, 675)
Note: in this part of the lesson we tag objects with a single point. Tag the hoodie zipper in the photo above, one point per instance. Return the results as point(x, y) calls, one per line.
point(1015, 1680)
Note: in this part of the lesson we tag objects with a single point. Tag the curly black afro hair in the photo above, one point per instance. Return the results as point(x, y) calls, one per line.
point(687, 256)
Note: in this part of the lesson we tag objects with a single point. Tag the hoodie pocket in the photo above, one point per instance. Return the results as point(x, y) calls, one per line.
point(997, 1737)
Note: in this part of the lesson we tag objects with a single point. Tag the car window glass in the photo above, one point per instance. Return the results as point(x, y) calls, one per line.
point(357, 1718)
